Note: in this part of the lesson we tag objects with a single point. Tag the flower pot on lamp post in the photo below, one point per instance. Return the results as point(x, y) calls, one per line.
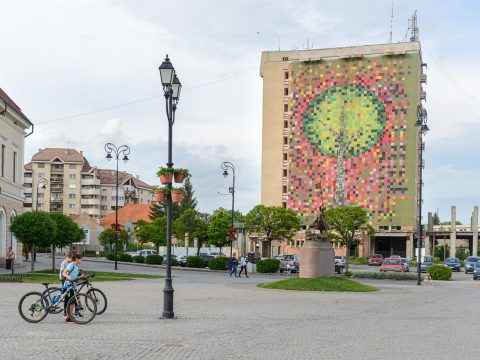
point(177, 195)
point(165, 175)
point(180, 175)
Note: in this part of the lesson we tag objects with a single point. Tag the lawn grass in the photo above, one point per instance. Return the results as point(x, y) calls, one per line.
point(319, 284)
point(49, 276)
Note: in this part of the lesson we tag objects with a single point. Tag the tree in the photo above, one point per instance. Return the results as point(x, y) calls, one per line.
point(159, 233)
point(188, 200)
point(436, 218)
point(272, 223)
point(160, 209)
point(217, 231)
point(348, 226)
point(34, 228)
point(143, 231)
point(107, 238)
point(67, 233)
point(195, 224)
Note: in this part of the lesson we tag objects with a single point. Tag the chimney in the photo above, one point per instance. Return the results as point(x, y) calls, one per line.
point(81, 152)
point(65, 152)
point(138, 177)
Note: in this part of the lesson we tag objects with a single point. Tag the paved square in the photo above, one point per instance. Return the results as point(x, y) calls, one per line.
point(223, 318)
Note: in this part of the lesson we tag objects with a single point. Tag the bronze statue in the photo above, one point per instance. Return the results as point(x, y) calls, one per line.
point(320, 222)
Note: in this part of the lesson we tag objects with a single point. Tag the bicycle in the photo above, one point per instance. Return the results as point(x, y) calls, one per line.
point(38, 306)
point(95, 293)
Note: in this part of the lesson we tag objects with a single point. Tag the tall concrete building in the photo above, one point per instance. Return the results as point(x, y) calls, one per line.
point(73, 186)
point(339, 128)
point(13, 126)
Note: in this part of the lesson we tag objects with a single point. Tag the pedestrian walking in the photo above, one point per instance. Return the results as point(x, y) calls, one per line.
point(243, 266)
point(233, 265)
point(9, 258)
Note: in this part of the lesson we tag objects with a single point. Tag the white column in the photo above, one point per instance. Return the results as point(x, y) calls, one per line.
point(453, 234)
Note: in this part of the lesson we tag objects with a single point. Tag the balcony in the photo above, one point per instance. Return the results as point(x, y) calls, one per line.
point(131, 193)
point(56, 189)
point(90, 201)
point(90, 191)
point(56, 180)
point(93, 211)
point(56, 208)
point(286, 131)
point(55, 200)
point(56, 169)
point(90, 181)
point(27, 180)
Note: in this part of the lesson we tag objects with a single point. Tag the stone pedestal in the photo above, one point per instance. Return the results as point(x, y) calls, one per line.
point(317, 258)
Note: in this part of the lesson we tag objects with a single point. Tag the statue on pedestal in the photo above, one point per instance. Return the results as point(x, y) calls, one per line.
point(319, 224)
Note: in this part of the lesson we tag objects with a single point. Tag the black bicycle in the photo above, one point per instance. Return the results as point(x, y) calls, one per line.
point(35, 306)
point(98, 295)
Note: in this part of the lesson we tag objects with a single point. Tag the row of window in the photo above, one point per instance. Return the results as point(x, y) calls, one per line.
point(3, 154)
point(57, 167)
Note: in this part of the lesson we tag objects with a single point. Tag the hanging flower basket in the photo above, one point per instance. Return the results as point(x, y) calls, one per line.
point(165, 175)
point(180, 175)
point(177, 195)
point(159, 196)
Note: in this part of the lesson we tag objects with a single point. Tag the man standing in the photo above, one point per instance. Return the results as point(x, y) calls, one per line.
point(71, 274)
point(233, 265)
point(243, 266)
point(10, 258)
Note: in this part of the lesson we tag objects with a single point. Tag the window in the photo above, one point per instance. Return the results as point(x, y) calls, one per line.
point(71, 196)
point(40, 195)
point(284, 190)
point(72, 176)
point(14, 177)
point(72, 186)
point(71, 206)
point(103, 207)
point(284, 204)
point(285, 91)
point(103, 198)
point(286, 75)
point(285, 107)
point(41, 165)
point(28, 175)
point(284, 173)
point(285, 140)
point(72, 166)
point(285, 124)
point(284, 157)
point(3, 161)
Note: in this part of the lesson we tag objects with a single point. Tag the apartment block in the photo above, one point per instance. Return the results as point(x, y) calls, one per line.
point(60, 179)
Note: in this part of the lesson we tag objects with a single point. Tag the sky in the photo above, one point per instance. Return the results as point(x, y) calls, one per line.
point(86, 73)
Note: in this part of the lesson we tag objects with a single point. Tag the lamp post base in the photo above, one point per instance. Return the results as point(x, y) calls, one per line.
point(168, 300)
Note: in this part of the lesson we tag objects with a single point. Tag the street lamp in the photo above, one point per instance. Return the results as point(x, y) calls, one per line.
point(42, 184)
point(422, 127)
point(225, 166)
point(171, 88)
point(117, 152)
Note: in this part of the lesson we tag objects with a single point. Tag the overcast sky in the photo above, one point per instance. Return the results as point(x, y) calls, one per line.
point(61, 61)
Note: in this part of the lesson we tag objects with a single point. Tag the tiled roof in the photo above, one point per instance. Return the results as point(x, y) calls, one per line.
point(108, 176)
point(86, 166)
point(134, 212)
point(87, 220)
point(28, 167)
point(64, 154)
point(12, 104)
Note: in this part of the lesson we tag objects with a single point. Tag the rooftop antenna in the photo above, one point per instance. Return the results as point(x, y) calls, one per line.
point(413, 26)
point(391, 26)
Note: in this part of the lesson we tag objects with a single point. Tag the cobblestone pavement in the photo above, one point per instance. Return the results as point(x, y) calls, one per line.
point(223, 318)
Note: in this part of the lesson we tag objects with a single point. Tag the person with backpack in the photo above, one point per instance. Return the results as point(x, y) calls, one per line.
point(243, 266)
point(63, 266)
point(71, 275)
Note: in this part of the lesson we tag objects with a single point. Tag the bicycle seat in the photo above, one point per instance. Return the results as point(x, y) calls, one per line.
point(45, 284)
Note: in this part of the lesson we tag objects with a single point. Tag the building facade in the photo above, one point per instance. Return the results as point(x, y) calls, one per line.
point(60, 179)
point(339, 128)
point(13, 127)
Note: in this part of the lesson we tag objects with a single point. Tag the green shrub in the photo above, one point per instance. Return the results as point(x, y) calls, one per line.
point(174, 262)
point(219, 263)
point(90, 253)
point(461, 253)
point(125, 257)
point(194, 262)
point(440, 272)
point(110, 256)
point(138, 259)
point(268, 266)
point(154, 259)
point(347, 274)
point(357, 260)
point(437, 260)
point(384, 275)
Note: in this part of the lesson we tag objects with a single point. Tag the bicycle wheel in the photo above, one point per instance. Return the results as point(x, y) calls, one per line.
point(54, 307)
point(81, 308)
point(99, 298)
point(33, 307)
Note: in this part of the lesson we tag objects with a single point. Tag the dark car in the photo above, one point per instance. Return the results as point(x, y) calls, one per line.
point(453, 263)
point(426, 263)
point(470, 263)
point(476, 271)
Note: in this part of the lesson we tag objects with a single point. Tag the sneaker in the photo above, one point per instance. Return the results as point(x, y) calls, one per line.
point(67, 319)
point(77, 314)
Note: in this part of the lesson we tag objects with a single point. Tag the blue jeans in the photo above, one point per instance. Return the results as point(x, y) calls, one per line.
point(234, 270)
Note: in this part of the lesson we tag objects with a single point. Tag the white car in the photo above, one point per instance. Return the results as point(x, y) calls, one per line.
point(144, 252)
point(406, 264)
point(340, 260)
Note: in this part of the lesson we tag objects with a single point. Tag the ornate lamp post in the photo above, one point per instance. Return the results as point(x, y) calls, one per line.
point(422, 127)
point(171, 88)
point(42, 183)
point(116, 151)
point(225, 166)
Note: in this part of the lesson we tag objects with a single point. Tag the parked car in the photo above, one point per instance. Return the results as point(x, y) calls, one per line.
point(217, 254)
point(339, 259)
point(164, 256)
point(146, 252)
point(182, 260)
point(426, 263)
point(453, 263)
point(395, 257)
point(392, 264)
point(278, 257)
point(476, 271)
point(206, 258)
point(292, 260)
point(470, 263)
point(376, 259)
point(406, 264)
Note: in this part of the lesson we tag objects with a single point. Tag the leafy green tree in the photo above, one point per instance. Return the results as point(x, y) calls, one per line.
point(217, 231)
point(272, 223)
point(107, 238)
point(159, 209)
point(188, 200)
point(67, 233)
point(436, 218)
point(348, 226)
point(195, 224)
point(143, 231)
point(34, 228)
point(159, 234)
